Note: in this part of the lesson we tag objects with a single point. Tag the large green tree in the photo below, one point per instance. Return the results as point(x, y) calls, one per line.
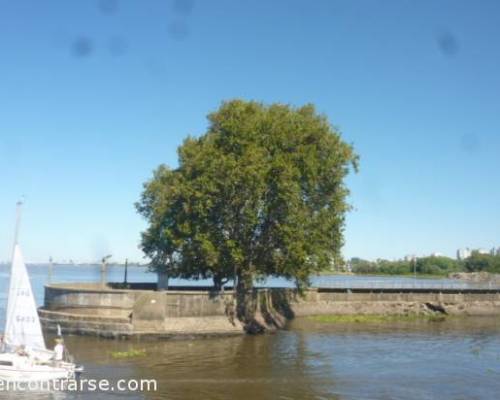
point(261, 193)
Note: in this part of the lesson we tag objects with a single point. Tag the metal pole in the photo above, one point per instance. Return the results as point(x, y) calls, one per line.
point(50, 270)
point(126, 271)
point(103, 272)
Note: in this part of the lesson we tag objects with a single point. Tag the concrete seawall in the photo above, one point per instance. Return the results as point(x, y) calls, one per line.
point(142, 311)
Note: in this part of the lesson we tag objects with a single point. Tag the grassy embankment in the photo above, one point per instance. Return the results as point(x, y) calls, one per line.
point(375, 318)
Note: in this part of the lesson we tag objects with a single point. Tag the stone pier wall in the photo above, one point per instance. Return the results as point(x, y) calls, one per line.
point(142, 311)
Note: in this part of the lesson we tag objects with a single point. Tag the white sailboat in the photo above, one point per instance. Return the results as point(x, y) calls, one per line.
point(23, 354)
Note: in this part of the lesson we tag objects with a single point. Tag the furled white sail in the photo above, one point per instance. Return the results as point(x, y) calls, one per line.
point(22, 326)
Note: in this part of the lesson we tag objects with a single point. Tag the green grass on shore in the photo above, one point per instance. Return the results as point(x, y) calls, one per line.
point(381, 274)
point(373, 318)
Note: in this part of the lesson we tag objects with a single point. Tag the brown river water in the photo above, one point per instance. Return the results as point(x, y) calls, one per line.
point(454, 359)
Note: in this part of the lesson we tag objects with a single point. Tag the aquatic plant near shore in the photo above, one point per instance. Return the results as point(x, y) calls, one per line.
point(128, 354)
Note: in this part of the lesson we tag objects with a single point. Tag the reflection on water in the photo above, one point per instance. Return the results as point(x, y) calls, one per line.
point(455, 359)
point(459, 358)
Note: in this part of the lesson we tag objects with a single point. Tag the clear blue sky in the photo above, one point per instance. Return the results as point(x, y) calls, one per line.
point(95, 94)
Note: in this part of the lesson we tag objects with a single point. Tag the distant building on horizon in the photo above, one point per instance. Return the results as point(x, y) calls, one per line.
point(462, 254)
point(465, 253)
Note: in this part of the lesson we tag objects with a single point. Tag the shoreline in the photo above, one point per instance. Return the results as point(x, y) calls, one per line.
point(90, 309)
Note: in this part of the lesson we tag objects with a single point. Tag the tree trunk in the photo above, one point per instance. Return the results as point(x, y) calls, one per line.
point(218, 283)
point(162, 280)
point(245, 303)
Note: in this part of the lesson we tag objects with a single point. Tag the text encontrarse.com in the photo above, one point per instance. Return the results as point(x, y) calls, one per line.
point(81, 385)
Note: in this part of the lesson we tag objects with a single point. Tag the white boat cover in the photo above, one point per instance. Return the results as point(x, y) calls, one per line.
point(22, 325)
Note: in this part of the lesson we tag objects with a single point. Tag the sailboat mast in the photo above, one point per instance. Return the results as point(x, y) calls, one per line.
point(19, 206)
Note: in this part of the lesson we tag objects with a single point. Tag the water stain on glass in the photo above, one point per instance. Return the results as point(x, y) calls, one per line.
point(108, 7)
point(82, 47)
point(183, 7)
point(178, 29)
point(448, 44)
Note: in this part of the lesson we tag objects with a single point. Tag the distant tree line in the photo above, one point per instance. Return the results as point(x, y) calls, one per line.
point(432, 265)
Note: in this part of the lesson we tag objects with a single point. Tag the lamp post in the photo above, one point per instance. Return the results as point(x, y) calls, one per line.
point(104, 264)
point(51, 264)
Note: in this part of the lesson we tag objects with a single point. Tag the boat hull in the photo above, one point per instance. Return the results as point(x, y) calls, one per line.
point(24, 369)
point(33, 374)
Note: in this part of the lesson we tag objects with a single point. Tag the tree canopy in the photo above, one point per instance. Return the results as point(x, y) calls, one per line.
point(261, 193)
point(482, 262)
